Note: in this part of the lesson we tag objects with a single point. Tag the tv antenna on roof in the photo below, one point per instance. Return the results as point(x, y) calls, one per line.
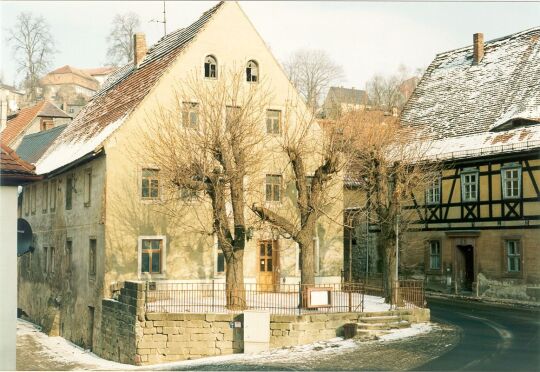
point(164, 20)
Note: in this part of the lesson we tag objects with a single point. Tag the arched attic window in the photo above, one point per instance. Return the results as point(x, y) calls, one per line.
point(252, 71)
point(210, 67)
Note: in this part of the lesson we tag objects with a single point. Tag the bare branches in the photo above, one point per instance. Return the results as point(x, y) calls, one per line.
point(312, 72)
point(120, 38)
point(33, 46)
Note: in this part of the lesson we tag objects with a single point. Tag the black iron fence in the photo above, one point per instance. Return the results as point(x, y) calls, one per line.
point(285, 299)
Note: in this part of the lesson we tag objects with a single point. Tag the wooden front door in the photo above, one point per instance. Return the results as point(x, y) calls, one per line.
point(268, 265)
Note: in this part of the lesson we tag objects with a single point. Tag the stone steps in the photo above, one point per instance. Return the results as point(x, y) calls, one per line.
point(370, 326)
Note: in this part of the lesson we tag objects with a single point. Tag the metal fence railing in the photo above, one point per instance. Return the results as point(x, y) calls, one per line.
point(409, 294)
point(285, 299)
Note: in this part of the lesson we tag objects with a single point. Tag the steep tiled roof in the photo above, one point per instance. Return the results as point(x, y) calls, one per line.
point(120, 94)
point(14, 170)
point(18, 123)
point(34, 145)
point(456, 97)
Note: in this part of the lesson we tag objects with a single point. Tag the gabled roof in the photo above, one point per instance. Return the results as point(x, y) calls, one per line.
point(13, 170)
point(347, 95)
point(20, 121)
point(119, 95)
point(456, 97)
point(34, 145)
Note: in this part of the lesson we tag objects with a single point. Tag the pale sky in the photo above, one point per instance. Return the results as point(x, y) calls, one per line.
point(364, 37)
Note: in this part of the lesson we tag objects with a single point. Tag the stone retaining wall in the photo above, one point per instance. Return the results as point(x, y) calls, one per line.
point(129, 335)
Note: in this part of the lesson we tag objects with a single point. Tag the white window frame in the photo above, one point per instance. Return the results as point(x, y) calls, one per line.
point(273, 188)
point(504, 179)
point(433, 192)
point(149, 199)
point(255, 67)
point(464, 185)
point(163, 273)
point(209, 68)
point(189, 108)
point(513, 256)
point(279, 118)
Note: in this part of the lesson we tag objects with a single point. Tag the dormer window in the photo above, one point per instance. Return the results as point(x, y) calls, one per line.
point(210, 67)
point(252, 71)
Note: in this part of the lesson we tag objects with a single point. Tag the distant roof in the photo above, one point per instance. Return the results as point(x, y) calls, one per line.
point(347, 95)
point(117, 98)
point(34, 145)
point(99, 70)
point(13, 170)
point(64, 75)
point(20, 121)
point(456, 97)
point(10, 88)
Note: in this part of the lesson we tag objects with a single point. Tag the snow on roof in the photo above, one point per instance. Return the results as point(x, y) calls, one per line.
point(457, 97)
point(483, 144)
point(125, 88)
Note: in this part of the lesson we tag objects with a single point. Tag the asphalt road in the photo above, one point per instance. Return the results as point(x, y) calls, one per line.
point(492, 337)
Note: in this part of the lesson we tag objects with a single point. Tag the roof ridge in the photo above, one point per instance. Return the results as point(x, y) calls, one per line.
point(515, 34)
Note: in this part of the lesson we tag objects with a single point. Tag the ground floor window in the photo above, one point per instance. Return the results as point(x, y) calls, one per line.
point(513, 256)
point(434, 255)
point(151, 254)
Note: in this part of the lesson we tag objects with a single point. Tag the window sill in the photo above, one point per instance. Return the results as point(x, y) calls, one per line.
point(150, 277)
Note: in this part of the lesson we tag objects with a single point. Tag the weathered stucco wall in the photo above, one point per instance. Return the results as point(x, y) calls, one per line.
point(65, 300)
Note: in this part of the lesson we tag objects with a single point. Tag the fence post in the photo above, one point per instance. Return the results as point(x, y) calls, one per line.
point(350, 300)
point(299, 299)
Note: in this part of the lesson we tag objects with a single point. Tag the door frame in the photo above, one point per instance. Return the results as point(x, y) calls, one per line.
point(461, 238)
point(276, 264)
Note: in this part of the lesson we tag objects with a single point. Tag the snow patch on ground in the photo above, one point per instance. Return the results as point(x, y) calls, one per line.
point(65, 352)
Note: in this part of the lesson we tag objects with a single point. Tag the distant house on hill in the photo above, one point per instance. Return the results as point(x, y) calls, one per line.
point(340, 100)
point(69, 80)
point(42, 116)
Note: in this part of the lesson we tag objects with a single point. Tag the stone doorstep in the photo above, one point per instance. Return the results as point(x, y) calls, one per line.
point(379, 319)
point(383, 326)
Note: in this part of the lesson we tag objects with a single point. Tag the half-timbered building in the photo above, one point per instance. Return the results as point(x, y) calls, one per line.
point(478, 225)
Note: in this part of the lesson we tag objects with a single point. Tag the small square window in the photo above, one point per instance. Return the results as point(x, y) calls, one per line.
point(52, 196)
point(513, 256)
point(69, 191)
point(434, 255)
point(469, 186)
point(433, 192)
point(45, 197)
point(190, 115)
point(150, 184)
point(273, 187)
point(92, 257)
point(151, 256)
point(273, 121)
point(511, 182)
point(87, 187)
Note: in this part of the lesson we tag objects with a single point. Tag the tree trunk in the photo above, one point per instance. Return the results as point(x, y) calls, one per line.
point(389, 259)
point(234, 280)
point(308, 264)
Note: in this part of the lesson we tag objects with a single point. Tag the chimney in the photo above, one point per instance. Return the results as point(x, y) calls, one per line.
point(478, 48)
point(139, 48)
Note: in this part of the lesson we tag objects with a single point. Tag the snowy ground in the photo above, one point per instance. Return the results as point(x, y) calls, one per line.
point(37, 351)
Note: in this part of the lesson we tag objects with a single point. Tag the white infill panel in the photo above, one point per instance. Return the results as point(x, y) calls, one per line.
point(256, 331)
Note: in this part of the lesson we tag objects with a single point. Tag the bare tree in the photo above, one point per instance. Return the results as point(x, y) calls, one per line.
point(315, 160)
point(390, 164)
point(120, 38)
point(312, 72)
point(392, 91)
point(210, 156)
point(33, 46)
